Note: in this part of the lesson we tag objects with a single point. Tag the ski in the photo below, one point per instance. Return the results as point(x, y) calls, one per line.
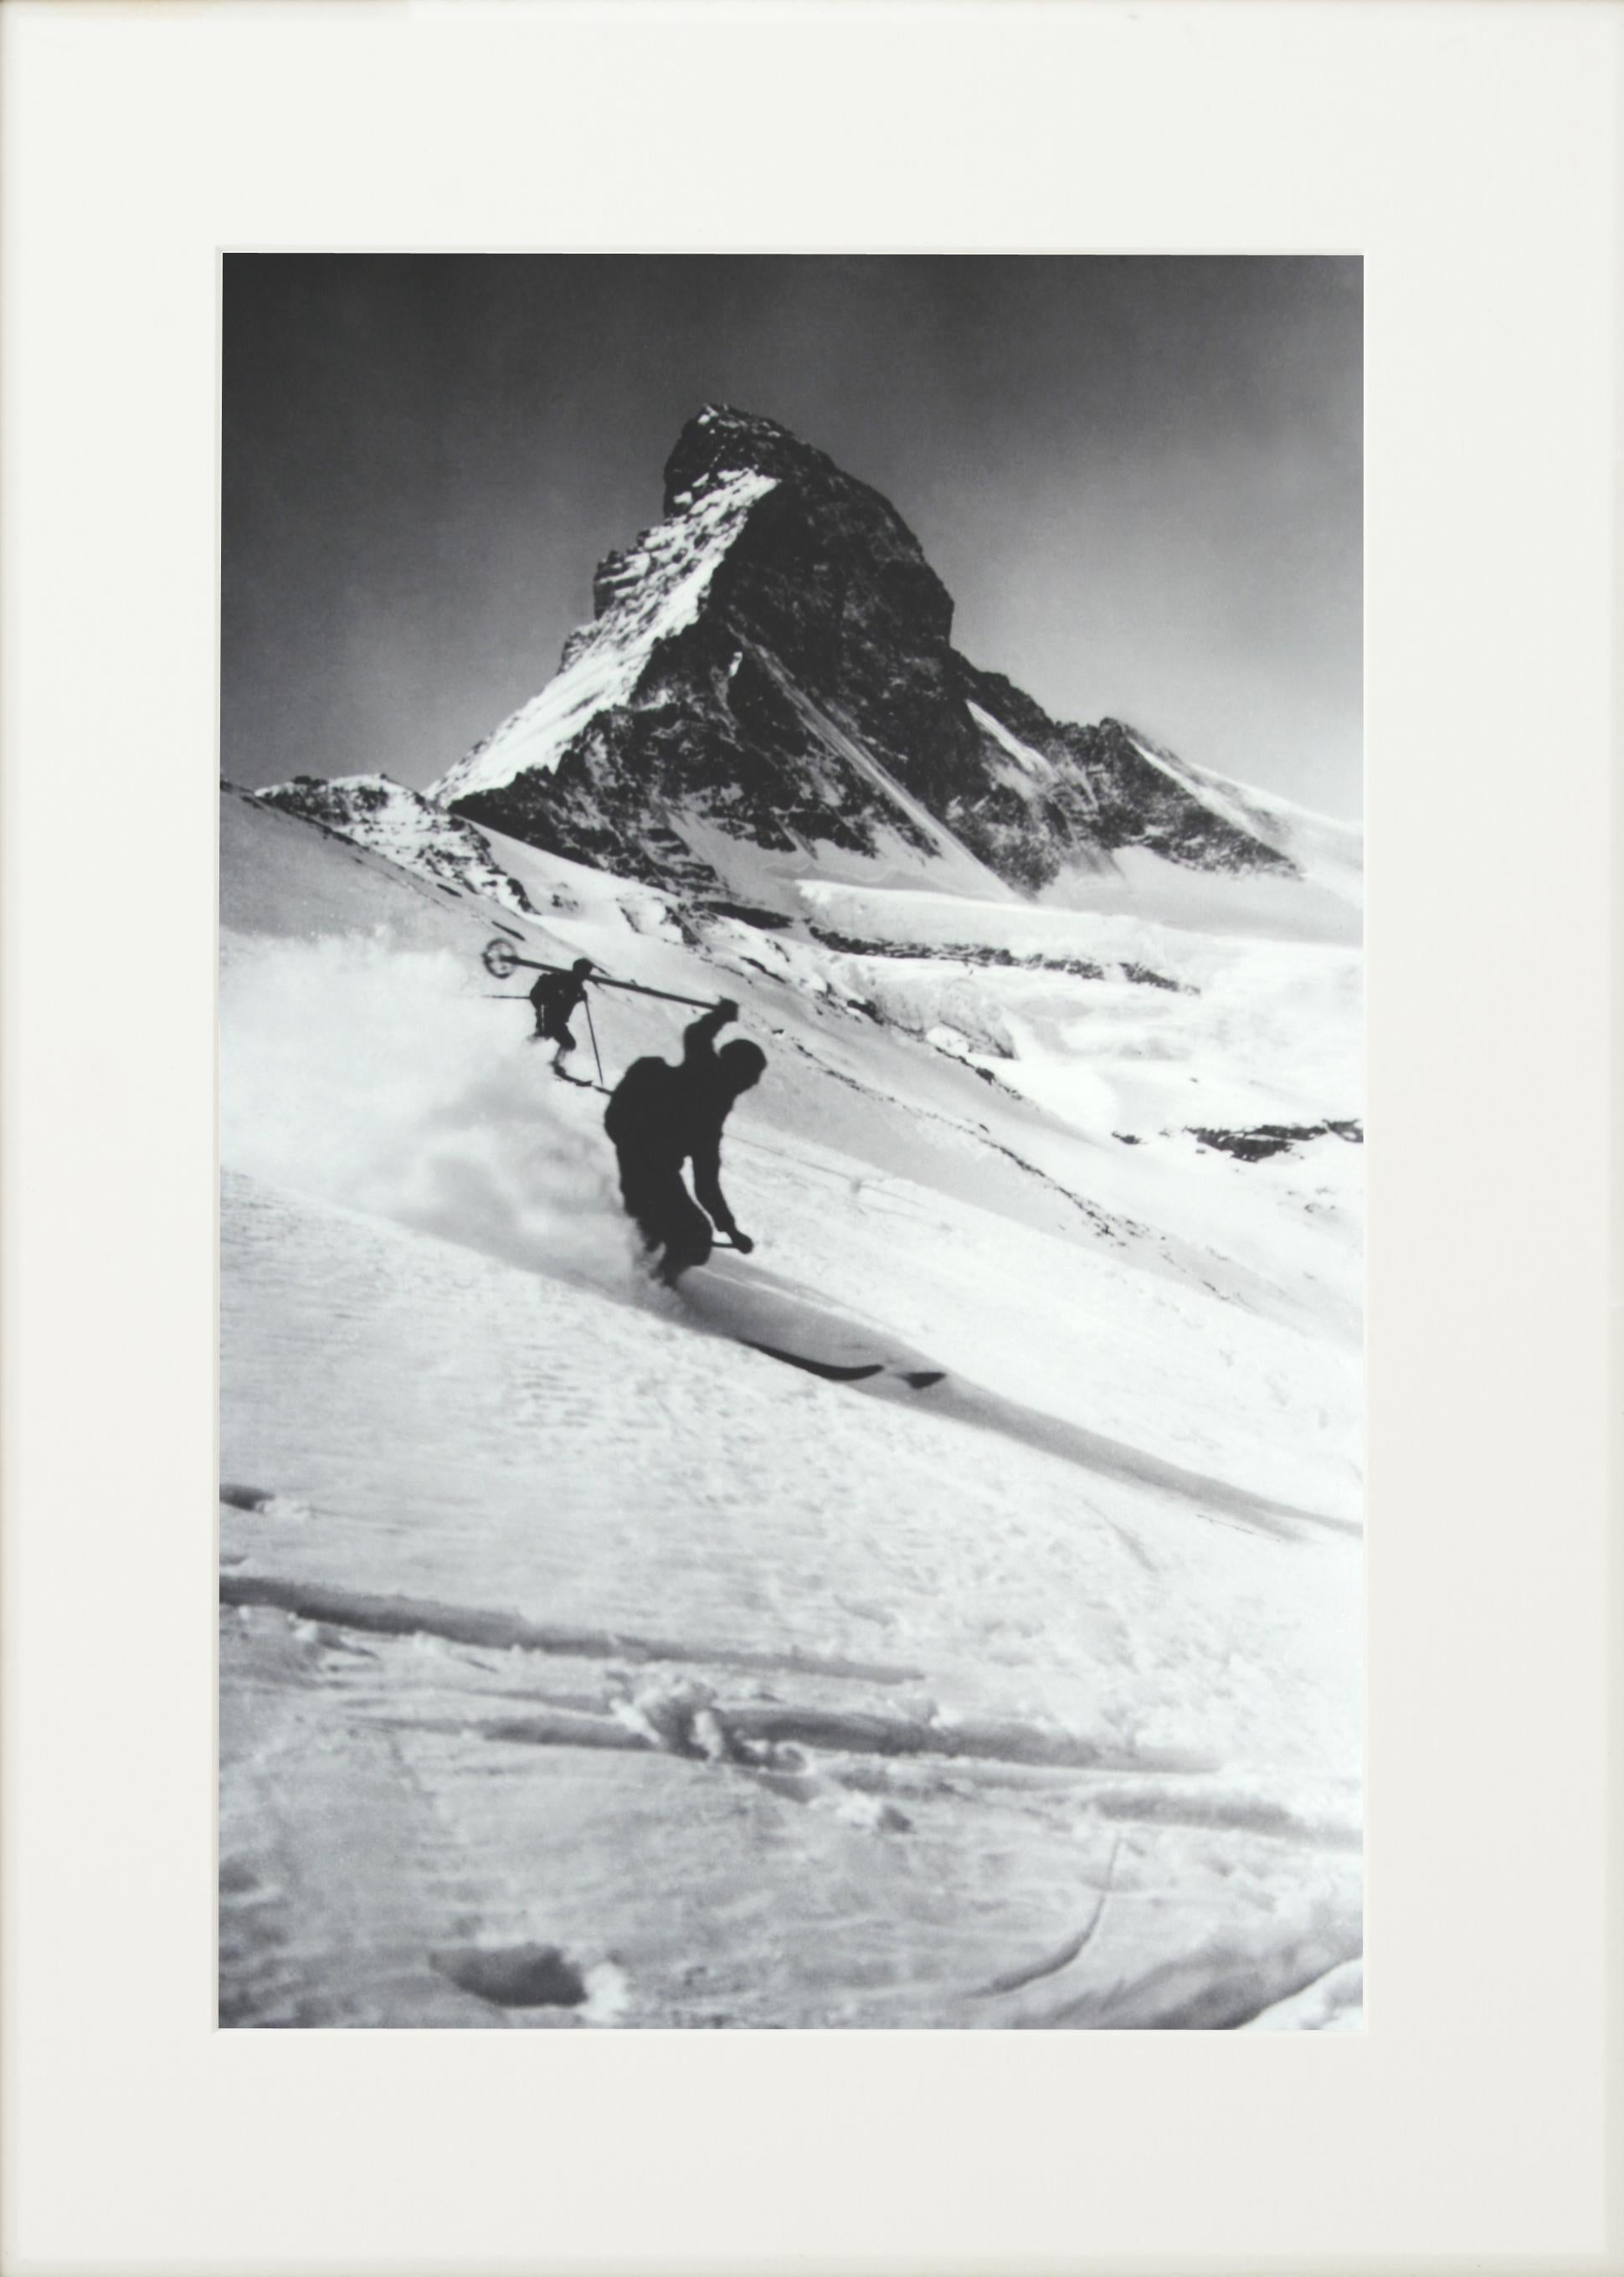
point(827, 1368)
point(766, 1314)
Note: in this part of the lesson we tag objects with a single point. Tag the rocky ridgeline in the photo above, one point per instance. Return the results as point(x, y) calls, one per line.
point(1267, 1139)
point(374, 812)
point(774, 659)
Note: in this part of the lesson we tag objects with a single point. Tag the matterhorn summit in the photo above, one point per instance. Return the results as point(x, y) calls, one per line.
point(769, 689)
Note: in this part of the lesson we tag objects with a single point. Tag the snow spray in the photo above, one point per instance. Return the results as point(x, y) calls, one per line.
point(370, 1076)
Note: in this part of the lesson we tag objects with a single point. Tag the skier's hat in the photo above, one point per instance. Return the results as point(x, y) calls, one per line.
point(582, 964)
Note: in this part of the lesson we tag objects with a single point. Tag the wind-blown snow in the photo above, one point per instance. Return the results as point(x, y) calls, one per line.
point(557, 1621)
point(350, 1071)
point(661, 582)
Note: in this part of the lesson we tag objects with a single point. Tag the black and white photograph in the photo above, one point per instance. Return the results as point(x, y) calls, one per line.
point(792, 1143)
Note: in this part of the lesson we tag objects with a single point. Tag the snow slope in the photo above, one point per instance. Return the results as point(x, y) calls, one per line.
point(554, 1621)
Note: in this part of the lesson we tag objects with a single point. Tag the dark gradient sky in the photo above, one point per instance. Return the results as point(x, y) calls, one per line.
point(1138, 478)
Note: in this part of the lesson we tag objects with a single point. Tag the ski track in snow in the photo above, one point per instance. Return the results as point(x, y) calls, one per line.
point(554, 1627)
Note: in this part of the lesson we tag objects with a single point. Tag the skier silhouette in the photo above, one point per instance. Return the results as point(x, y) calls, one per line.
point(661, 1117)
point(555, 996)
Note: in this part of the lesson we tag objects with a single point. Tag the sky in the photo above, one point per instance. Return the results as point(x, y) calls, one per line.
point(1139, 478)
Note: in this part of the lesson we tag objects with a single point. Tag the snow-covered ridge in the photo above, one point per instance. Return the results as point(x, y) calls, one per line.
point(657, 587)
point(383, 815)
point(1327, 852)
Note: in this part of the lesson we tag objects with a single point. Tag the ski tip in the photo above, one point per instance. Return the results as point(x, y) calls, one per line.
point(920, 1379)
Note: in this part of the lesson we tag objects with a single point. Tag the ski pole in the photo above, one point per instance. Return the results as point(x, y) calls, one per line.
point(636, 987)
point(500, 958)
point(592, 1033)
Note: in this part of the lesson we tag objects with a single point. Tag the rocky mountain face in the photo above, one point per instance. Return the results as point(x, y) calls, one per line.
point(774, 661)
point(414, 831)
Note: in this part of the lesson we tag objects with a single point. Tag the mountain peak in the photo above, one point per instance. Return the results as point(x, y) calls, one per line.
point(770, 673)
point(721, 440)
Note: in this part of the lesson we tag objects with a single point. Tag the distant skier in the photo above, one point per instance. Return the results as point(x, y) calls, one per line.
point(661, 1117)
point(556, 996)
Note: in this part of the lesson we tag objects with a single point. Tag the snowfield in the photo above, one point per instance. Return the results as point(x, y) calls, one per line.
point(582, 1667)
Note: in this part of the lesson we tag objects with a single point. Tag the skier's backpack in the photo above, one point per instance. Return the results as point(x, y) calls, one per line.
point(642, 1109)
